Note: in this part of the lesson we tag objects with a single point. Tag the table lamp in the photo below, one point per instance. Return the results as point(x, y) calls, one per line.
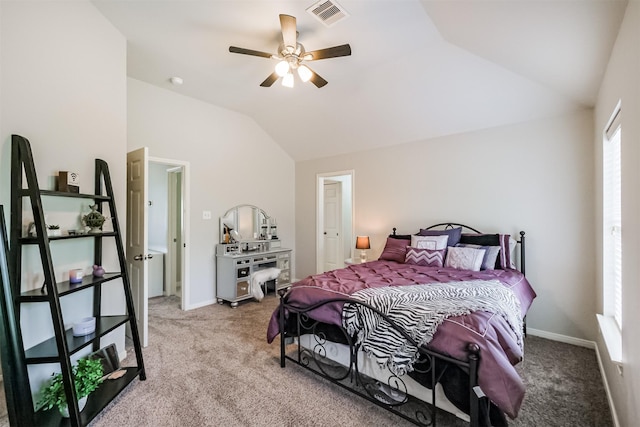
point(362, 243)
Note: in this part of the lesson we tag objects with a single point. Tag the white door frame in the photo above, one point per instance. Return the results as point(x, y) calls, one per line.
point(320, 179)
point(186, 197)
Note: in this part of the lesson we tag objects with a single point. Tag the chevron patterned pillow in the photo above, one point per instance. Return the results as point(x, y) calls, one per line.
point(425, 257)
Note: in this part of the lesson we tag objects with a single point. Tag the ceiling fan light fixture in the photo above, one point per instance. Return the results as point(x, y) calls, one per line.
point(282, 68)
point(291, 54)
point(305, 73)
point(287, 80)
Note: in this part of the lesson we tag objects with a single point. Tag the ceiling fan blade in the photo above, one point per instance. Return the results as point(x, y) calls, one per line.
point(288, 26)
point(234, 49)
point(316, 79)
point(270, 80)
point(330, 52)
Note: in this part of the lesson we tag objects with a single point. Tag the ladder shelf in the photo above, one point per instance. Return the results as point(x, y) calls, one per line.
point(63, 344)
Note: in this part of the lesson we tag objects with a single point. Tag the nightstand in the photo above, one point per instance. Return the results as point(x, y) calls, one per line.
point(352, 261)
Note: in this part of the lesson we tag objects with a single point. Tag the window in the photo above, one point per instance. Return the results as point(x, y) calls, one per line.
point(612, 219)
point(611, 319)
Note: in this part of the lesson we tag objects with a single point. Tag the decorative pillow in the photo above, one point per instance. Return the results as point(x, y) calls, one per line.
point(490, 255)
point(453, 233)
point(425, 257)
point(464, 258)
point(504, 256)
point(429, 242)
point(394, 250)
point(512, 254)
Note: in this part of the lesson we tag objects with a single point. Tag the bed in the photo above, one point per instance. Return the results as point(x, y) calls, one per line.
point(438, 320)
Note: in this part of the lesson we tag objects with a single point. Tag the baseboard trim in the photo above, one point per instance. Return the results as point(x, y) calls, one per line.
point(605, 383)
point(561, 338)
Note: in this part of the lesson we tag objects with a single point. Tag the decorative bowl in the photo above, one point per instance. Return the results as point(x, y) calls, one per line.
point(84, 327)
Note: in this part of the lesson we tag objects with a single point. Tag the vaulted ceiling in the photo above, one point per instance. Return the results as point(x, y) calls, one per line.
point(419, 68)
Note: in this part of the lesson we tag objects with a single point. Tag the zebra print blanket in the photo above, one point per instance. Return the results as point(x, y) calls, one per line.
point(418, 310)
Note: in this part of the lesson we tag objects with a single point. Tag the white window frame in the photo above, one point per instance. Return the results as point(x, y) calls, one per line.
point(611, 319)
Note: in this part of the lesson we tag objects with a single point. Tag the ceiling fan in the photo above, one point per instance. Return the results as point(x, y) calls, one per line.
point(292, 56)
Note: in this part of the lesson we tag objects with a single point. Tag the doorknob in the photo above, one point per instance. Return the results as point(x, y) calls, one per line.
point(325, 232)
point(138, 258)
point(149, 256)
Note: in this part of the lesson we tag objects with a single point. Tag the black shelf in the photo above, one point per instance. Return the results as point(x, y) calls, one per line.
point(62, 345)
point(96, 402)
point(47, 351)
point(65, 288)
point(35, 240)
point(99, 198)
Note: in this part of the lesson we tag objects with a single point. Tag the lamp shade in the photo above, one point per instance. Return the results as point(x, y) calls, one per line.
point(362, 242)
point(282, 68)
point(287, 80)
point(305, 73)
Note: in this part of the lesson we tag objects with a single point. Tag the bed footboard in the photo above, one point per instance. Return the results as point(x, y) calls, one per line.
point(332, 353)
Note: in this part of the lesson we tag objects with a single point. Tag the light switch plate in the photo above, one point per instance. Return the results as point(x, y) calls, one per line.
point(206, 214)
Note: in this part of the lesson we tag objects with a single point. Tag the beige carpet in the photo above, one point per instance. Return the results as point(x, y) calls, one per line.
point(213, 367)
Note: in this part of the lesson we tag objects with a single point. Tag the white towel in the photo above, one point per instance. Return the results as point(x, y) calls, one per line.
point(259, 277)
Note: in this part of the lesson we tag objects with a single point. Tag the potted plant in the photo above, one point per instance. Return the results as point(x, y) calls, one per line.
point(87, 374)
point(53, 230)
point(94, 219)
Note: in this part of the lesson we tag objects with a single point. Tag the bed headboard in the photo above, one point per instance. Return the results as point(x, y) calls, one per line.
point(450, 225)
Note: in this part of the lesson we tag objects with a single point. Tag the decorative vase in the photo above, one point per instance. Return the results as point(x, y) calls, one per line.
point(81, 404)
point(98, 271)
point(95, 230)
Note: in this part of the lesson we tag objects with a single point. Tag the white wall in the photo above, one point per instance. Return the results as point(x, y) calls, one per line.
point(63, 85)
point(535, 177)
point(622, 82)
point(232, 162)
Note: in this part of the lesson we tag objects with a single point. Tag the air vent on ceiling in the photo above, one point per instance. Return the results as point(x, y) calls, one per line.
point(328, 12)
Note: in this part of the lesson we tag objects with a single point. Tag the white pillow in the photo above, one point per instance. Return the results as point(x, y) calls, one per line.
point(464, 258)
point(430, 242)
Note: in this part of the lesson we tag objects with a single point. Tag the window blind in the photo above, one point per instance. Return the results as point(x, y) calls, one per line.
point(612, 216)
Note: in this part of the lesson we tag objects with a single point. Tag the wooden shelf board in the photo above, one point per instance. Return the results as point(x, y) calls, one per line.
point(34, 240)
point(25, 192)
point(47, 351)
point(65, 287)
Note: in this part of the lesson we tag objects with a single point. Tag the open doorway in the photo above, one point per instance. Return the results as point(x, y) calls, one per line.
point(334, 216)
point(166, 229)
point(157, 232)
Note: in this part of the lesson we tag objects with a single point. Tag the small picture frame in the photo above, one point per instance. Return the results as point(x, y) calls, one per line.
point(68, 182)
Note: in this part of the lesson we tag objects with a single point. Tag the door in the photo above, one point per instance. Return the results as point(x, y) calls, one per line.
point(333, 257)
point(137, 233)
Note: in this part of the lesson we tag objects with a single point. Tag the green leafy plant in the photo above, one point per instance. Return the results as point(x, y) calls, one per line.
point(53, 227)
point(87, 374)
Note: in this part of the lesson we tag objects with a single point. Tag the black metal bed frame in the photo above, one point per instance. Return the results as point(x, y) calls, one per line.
point(411, 408)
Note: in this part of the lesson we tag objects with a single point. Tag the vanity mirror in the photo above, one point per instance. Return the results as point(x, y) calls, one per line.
point(246, 223)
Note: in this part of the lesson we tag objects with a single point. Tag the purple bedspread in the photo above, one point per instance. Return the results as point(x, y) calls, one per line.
point(499, 350)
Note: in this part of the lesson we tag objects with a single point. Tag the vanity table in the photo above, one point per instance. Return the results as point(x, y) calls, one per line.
point(237, 257)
